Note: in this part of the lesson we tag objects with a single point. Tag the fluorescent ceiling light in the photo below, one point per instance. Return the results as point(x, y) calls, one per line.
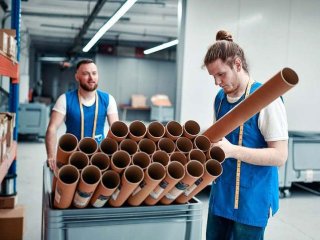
point(120, 12)
point(161, 47)
point(53, 59)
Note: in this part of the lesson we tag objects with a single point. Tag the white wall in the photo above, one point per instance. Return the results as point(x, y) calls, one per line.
point(274, 34)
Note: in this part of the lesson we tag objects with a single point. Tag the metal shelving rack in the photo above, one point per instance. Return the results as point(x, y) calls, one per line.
point(10, 68)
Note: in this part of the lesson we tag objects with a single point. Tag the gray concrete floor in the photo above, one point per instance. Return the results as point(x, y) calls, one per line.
point(297, 219)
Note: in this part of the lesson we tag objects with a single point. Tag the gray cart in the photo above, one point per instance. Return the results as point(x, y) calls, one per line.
point(172, 222)
point(303, 164)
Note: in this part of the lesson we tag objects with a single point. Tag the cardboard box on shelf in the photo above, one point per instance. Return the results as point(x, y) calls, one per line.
point(138, 100)
point(8, 42)
point(8, 202)
point(12, 223)
point(12, 47)
point(11, 120)
point(161, 100)
point(4, 42)
point(3, 136)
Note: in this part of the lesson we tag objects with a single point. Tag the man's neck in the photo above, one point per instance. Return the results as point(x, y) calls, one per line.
point(86, 95)
point(243, 83)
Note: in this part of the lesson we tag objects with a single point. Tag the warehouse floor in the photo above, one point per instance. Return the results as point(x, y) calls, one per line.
point(297, 219)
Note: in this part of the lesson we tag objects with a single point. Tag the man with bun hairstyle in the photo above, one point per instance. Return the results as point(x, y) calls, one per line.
point(261, 146)
point(85, 110)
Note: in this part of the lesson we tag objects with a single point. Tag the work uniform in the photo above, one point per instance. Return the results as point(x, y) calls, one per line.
point(258, 184)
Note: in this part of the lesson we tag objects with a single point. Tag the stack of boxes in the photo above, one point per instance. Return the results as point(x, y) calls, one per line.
point(11, 214)
point(8, 43)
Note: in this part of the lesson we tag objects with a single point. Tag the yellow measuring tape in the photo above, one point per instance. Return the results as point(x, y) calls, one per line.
point(82, 116)
point(237, 190)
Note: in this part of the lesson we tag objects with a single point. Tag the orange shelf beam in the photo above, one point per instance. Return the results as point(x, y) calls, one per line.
point(9, 67)
point(7, 161)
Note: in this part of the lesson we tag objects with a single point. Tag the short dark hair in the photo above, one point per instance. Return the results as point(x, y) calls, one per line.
point(84, 61)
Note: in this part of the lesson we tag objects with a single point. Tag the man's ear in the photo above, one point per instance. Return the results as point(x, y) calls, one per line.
point(238, 64)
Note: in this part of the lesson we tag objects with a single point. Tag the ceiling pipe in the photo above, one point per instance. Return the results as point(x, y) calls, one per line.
point(77, 45)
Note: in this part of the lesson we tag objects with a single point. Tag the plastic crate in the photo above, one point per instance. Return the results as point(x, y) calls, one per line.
point(169, 222)
point(162, 113)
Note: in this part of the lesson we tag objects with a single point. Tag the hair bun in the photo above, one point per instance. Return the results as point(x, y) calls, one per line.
point(224, 35)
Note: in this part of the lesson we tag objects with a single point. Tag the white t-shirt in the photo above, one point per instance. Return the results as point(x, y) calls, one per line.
point(272, 120)
point(61, 105)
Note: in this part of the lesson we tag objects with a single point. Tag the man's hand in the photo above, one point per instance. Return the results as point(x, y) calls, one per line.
point(51, 162)
point(226, 146)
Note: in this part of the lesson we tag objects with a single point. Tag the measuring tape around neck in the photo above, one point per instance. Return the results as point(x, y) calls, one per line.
point(237, 190)
point(82, 115)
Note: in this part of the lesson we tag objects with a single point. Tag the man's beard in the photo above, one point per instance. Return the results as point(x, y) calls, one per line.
point(88, 88)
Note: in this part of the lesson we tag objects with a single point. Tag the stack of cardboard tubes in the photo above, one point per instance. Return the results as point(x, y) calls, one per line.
point(135, 165)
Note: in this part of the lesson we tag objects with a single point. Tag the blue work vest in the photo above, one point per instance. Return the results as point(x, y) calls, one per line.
point(73, 116)
point(258, 184)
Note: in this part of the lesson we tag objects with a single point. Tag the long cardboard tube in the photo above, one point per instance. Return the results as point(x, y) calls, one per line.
point(202, 142)
point(141, 159)
point(179, 157)
point(191, 129)
point(173, 130)
point(160, 157)
point(137, 130)
point(184, 145)
point(118, 131)
point(120, 160)
point(155, 131)
point(147, 145)
point(268, 92)
point(129, 146)
point(197, 154)
point(108, 146)
point(216, 153)
point(100, 160)
point(174, 173)
point(154, 174)
point(109, 183)
point(67, 144)
point(67, 180)
point(89, 180)
point(167, 145)
point(130, 179)
point(88, 145)
point(79, 159)
point(212, 170)
point(194, 170)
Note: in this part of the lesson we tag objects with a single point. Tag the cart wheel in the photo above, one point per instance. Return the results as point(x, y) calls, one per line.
point(287, 193)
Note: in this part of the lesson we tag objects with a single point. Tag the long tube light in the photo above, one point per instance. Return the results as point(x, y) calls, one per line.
point(161, 47)
point(121, 11)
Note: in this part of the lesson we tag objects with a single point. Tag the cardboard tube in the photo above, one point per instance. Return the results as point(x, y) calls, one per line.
point(67, 180)
point(67, 144)
point(212, 170)
point(108, 146)
point(184, 145)
point(120, 160)
point(202, 142)
point(118, 131)
point(216, 153)
point(89, 180)
point(160, 157)
point(197, 154)
point(129, 146)
point(154, 174)
point(130, 179)
point(147, 145)
point(88, 145)
point(155, 131)
point(100, 160)
point(137, 130)
point(141, 159)
point(174, 173)
point(173, 130)
point(167, 145)
point(179, 157)
point(267, 93)
point(194, 170)
point(109, 183)
point(79, 159)
point(191, 129)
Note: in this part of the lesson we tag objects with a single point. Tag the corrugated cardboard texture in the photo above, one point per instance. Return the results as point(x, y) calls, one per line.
point(11, 223)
